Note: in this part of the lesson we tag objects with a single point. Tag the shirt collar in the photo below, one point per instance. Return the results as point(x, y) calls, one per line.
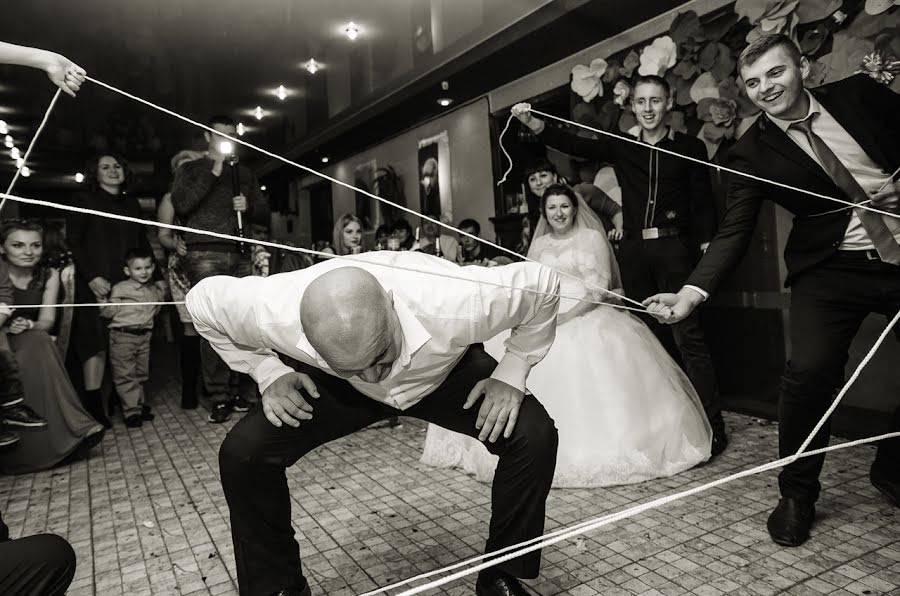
point(814, 108)
point(638, 133)
point(414, 337)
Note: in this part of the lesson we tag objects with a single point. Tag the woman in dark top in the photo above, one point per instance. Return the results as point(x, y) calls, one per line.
point(99, 246)
point(46, 385)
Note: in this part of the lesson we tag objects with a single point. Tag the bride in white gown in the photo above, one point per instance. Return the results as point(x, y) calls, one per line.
point(624, 410)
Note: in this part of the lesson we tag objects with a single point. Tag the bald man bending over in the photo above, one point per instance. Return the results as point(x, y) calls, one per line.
point(376, 342)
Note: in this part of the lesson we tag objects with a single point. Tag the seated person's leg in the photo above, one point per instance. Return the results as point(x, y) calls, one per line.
point(41, 565)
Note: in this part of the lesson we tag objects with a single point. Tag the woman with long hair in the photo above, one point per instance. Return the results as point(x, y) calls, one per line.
point(347, 235)
point(99, 244)
point(46, 385)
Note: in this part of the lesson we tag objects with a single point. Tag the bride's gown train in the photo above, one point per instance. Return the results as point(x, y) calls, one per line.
point(624, 409)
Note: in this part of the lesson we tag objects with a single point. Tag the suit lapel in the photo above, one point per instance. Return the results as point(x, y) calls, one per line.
point(778, 140)
point(851, 122)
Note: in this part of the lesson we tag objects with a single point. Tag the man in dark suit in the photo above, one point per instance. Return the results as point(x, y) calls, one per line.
point(668, 215)
point(838, 140)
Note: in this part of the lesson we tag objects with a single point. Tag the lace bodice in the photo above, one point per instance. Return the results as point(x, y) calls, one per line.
point(583, 255)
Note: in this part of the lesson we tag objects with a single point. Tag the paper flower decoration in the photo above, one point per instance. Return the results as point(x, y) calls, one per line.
point(880, 6)
point(632, 61)
point(846, 56)
point(879, 68)
point(717, 59)
point(720, 112)
point(621, 93)
point(676, 122)
point(809, 11)
point(586, 80)
point(769, 16)
point(705, 86)
point(658, 57)
point(686, 26)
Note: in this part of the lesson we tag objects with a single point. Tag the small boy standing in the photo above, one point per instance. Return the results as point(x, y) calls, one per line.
point(130, 330)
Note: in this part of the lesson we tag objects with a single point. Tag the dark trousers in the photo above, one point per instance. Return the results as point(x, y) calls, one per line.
point(255, 454)
point(663, 265)
point(10, 379)
point(200, 264)
point(41, 565)
point(828, 305)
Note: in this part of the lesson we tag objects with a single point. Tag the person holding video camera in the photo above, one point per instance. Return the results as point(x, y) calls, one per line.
point(217, 194)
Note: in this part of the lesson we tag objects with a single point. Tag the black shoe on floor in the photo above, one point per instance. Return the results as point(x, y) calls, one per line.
point(134, 421)
point(240, 404)
point(220, 413)
point(500, 585)
point(8, 437)
point(889, 485)
point(146, 414)
point(306, 591)
point(790, 522)
point(21, 415)
point(719, 443)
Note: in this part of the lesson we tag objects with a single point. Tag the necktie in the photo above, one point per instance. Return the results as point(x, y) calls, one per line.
point(874, 224)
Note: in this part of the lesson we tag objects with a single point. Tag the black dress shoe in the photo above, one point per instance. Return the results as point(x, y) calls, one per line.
point(888, 485)
point(502, 585)
point(134, 421)
point(790, 522)
point(295, 592)
point(21, 415)
point(719, 443)
point(147, 414)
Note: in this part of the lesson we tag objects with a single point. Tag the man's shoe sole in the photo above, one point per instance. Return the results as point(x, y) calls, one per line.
point(21, 424)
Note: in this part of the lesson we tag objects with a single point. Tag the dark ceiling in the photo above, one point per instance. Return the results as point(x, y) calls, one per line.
point(201, 57)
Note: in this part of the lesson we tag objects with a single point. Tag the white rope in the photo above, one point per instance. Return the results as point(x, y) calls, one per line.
point(866, 202)
point(503, 149)
point(348, 186)
point(718, 167)
point(286, 247)
point(640, 508)
point(34, 139)
point(631, 512)
point(847, 385)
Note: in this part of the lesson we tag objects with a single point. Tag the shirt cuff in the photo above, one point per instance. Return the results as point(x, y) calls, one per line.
point(704, 246)
point(270, 370)
point(512, 370)
point(702, 293)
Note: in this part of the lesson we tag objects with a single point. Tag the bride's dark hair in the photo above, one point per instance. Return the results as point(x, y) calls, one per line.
point(559, 190)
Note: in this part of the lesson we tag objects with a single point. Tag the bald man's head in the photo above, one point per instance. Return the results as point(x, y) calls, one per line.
point(349, 319)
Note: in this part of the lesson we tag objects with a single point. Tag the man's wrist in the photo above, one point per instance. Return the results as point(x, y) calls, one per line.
point(694, 295)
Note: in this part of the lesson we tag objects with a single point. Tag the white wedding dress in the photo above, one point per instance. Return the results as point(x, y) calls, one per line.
point(624, 410)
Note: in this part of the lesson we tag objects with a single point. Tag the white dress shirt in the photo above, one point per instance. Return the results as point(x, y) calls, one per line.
point(866, 172)
point(247, 320)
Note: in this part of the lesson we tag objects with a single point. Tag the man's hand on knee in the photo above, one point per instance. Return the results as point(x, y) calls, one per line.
point(283, 403)
point(499, 410)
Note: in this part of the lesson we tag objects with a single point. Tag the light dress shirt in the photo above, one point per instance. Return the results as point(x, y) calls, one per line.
point(866, 172)
point(247, 320)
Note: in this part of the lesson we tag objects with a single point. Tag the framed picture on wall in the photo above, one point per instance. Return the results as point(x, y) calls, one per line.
point(434, 177)
point(366, 209)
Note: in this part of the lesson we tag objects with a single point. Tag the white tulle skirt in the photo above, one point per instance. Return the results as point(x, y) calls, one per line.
point(625, 411)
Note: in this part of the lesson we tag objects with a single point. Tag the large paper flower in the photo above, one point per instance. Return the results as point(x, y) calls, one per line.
point(705, 86)
point(720, 112)
point(769, 16)
point(621, 92)
point(880, 68)
point(846, 55)
point(809, 11)
point(658, 57)
point(586, 80)
point(879, 6)
point(716, 58)
point(632, 61)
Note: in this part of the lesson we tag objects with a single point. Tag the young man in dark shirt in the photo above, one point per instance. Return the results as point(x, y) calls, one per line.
point(668, 212)
point(204, 197)
point(473, 252)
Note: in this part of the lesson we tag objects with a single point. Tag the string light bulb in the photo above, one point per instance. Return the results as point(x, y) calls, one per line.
point(241, 129)
point(258, 113)
point(20, 162)
point(14, 153)
point(79, 177)
point(26, 172)
point(4, 129)
point(325, 159)
point(444, 101)
point(312, 66)
point(351, 30)
point(8, 141)
point(281, 92)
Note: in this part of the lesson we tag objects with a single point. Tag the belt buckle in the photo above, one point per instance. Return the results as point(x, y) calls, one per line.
point(650, 233)
point(872, 255)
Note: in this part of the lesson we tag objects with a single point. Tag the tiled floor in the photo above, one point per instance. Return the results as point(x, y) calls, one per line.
point(146, 515)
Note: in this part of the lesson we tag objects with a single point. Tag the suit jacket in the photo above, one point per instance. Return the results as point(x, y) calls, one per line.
point(869, 112)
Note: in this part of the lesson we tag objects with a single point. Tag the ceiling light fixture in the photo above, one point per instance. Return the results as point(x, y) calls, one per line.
point(8, 141)
point(281, 93)
point(14, 153)
point(241, 129)
point(325, 159)
point(258, 113)
point(312, 66)
point(351, 30)
point(445, 101)
point(79, 177)
point(262, 188)
point(26, 172)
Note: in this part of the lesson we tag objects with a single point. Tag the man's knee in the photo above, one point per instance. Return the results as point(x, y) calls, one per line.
point(50, 556)
point(811, 379)
point(535, 431)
